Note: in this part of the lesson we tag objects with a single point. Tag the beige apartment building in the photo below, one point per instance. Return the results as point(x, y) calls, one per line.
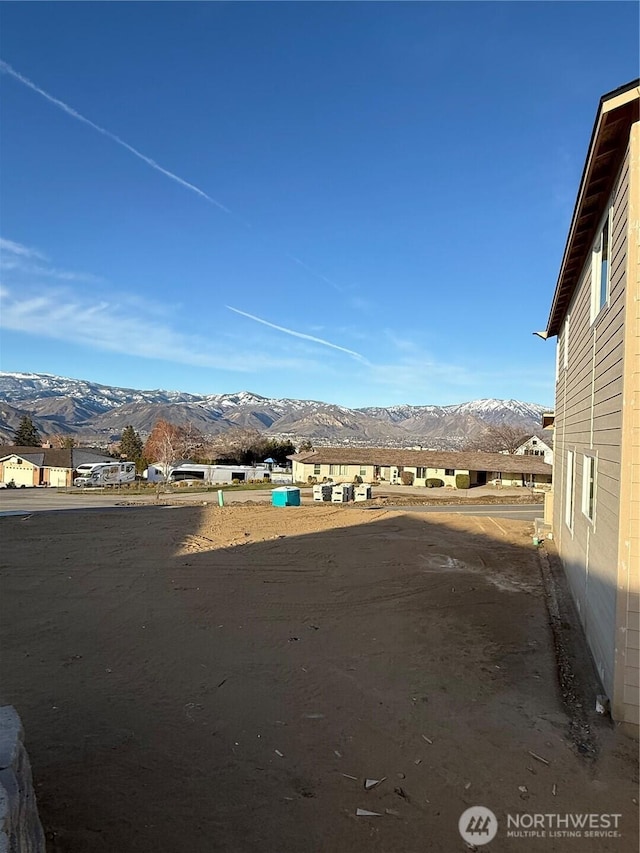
point(595, 316)
point(385, 465)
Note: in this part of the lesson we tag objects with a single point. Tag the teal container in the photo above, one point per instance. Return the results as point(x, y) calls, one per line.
point(285, 496)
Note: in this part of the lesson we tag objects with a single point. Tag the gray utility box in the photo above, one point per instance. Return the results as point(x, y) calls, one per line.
point(342, 493)
point(363, 492)
point(322, 492)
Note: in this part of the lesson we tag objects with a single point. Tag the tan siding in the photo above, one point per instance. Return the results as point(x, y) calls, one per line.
point(630, 695)
point(633, 658)
point(589, 403)
point(626, 699)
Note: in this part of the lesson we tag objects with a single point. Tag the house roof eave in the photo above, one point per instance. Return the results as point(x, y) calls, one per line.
point(617, 111)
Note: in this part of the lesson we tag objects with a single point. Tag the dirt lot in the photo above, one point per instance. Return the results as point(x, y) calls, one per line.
point(204, 679)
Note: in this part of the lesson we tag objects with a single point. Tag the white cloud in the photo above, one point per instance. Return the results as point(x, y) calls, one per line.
point(23, 261)
point(112, 325)
point(17, 249)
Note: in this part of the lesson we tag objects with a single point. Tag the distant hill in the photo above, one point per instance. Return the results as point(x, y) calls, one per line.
point(100, 412)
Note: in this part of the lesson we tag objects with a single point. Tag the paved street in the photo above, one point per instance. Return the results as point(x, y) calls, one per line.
point(47, 500)
point(518, 512)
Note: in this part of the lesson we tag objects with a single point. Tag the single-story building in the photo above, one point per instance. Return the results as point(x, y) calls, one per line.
point(45, 466)
point(384, 465)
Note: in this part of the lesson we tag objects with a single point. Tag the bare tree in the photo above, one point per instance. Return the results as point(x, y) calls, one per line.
point(498, 438)
point(235, 445)
point(65, 442)
point(168, 444)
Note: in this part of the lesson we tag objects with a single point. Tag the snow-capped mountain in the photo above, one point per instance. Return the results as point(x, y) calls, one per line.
point(90, 410)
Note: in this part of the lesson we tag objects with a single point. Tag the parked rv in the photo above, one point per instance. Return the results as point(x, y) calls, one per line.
point(106, 474)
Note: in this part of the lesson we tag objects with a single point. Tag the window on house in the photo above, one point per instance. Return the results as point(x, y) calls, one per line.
point(569, 489)
point(600, 269)
point(589, 486)
point(449, 472)
point(421, 473)
point(316, 468)
point(343, 469)
point(363, 470)
point(333, 469)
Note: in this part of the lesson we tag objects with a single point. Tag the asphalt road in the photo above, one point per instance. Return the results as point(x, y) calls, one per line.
point(19, 501)
point(519, 512)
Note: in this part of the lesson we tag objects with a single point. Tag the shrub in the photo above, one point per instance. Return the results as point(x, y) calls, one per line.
point(434, 483)
point(357, 480)
point(407, 478)
point(235, 482)
point(463, 481)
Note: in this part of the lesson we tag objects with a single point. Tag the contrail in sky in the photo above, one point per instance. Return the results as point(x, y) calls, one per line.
point(7, 69)
point(324, 343)
point(314, 272)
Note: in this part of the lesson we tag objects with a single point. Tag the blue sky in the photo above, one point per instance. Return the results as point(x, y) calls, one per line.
point(364, 203)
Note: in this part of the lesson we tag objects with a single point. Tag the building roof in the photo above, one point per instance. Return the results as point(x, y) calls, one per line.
point(617, 111)
point(384, 457)
point(547, 442)
point(54, 457)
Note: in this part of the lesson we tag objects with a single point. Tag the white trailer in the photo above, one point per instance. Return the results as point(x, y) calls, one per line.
point(106, 474)
point(210, 475)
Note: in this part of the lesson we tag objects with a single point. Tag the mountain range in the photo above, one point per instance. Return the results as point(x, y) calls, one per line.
point(98, 413)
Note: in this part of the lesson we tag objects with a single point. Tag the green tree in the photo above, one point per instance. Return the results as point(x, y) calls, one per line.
point(27, 435)
point(130, 444)
point(278, 450)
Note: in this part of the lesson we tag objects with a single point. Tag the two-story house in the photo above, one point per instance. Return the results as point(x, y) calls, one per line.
point(595, 316)
point(536, 446)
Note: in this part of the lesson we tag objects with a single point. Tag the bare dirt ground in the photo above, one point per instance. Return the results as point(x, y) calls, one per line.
point(205, 679)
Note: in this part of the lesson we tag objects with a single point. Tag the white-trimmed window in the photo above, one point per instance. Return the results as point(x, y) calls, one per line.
point(589, 486)
point(316, 468)
point(569, 489)
point(601, 267)
point(363, 470)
